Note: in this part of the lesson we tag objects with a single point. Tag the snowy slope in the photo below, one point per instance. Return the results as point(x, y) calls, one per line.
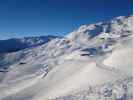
point(93, 62)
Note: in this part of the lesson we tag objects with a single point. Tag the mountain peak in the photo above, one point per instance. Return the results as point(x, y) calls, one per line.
point(119, 25)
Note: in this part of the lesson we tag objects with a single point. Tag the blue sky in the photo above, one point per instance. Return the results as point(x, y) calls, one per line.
point(19, 18)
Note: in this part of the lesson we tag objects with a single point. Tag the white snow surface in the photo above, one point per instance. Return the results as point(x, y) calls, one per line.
point(94, 62)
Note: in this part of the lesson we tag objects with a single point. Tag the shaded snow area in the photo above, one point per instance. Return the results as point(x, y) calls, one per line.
point(94, 62)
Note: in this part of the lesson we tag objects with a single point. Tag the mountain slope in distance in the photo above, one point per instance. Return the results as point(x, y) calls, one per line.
point(15, 44)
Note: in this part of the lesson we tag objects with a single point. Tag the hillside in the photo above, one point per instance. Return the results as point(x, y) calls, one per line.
point(93, 62)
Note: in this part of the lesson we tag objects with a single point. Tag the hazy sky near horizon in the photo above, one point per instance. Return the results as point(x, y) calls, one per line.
point(19, 18)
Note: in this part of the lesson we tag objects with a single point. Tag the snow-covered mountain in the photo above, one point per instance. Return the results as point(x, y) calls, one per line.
point(93, 62)
point(15, 44)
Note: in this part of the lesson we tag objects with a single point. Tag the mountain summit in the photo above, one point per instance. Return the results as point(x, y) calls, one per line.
point(119, 26)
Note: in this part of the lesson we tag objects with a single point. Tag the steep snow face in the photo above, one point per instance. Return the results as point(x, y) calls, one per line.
point(12, 45)
point(91, 63)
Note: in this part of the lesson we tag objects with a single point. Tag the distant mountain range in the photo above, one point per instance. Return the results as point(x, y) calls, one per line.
point(15, 44)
